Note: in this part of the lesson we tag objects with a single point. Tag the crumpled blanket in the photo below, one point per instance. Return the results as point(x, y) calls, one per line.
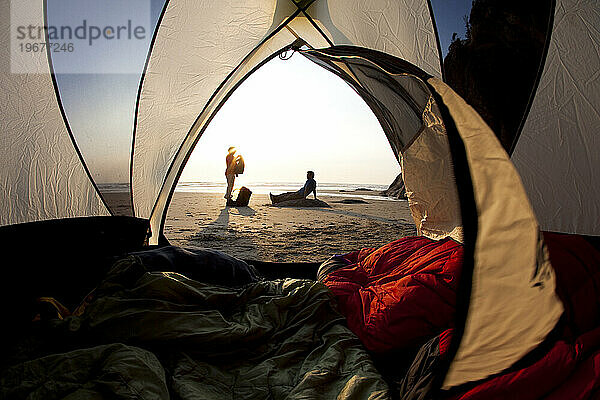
point(150, 334)
point(102, 372)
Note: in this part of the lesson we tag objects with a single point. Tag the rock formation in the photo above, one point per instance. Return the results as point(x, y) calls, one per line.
point(396, 189)
point(495, 67)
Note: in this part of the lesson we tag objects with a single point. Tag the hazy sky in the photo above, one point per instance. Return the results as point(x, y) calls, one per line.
point(291, 116)
point(288, 117)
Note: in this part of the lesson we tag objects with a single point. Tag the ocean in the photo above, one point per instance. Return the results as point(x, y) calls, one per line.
point(331, 189)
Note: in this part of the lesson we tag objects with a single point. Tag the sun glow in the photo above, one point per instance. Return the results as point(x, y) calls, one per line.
point(291, 116)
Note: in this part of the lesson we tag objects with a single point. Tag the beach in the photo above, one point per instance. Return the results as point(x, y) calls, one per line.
point(357, 219)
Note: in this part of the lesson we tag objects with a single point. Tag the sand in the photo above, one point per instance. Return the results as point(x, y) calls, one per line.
point(285, 234)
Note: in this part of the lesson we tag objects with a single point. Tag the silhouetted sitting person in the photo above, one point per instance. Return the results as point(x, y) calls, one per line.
point(309, 186)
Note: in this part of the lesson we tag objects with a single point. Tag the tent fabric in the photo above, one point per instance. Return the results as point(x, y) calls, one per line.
point(510, 257)
point(428, 176)
point(399, 295)
point(556, 154)
point(389, 27)
point(42, 176)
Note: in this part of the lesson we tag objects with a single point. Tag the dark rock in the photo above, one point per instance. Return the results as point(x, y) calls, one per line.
point(356, 190)
point(351, 201)
point(396, 189)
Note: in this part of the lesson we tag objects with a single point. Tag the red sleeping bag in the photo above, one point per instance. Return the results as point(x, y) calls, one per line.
point(570, 368)
point(403, 294)
point(398, 295)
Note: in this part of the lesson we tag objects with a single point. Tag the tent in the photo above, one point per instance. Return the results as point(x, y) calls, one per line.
point(460, 182)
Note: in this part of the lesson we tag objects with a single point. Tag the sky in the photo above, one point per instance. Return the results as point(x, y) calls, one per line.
point(450, 18)
point(292, 116)
point(334, 133)
point(98, 101)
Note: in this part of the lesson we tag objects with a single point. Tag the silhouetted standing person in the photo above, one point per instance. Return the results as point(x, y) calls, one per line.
point(232, 161)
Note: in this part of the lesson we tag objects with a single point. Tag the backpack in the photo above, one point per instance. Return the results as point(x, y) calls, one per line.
point(239, 166)
point(243, 198)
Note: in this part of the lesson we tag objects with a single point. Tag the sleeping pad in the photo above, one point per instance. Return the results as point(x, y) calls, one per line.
point(155, 335)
